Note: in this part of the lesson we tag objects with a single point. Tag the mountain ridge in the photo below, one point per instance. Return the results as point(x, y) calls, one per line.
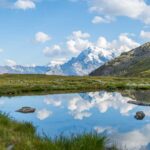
point(134, 62)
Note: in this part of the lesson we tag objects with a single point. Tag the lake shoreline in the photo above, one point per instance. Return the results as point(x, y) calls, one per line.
point(13, 85)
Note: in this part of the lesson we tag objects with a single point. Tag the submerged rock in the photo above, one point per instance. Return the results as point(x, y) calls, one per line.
point(139, 103)
point(26, 110)
point(139, 115)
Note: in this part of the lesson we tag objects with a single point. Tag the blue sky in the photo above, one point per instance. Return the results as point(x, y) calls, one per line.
point(41, 31)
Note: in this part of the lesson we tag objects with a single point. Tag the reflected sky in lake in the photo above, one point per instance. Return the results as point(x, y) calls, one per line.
point(107, 113)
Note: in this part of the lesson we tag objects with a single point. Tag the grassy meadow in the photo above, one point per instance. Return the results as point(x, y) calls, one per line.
point(44, 84)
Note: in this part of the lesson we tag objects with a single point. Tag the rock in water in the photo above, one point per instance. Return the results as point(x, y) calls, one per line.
point(26, 110)
point(139, 103)
point(139, 115)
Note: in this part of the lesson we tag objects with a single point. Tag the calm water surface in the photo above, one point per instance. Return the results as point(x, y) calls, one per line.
point(107, 113)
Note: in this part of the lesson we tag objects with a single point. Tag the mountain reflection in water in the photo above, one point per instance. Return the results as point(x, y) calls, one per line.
point(107, 113)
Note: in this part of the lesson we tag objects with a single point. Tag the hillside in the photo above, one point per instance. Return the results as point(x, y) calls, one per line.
point(133, 63)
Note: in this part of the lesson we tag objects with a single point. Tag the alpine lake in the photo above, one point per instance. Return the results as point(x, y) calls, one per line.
point(107, 113)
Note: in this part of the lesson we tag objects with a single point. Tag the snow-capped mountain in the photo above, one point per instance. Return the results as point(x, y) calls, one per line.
point(87, 61)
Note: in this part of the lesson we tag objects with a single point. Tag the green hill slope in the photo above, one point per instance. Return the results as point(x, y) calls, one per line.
point(133, 63)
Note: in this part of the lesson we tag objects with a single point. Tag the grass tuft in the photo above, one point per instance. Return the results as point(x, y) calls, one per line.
point(21, 136)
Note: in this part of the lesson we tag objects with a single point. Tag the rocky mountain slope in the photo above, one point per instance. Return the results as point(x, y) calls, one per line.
point(133, 63)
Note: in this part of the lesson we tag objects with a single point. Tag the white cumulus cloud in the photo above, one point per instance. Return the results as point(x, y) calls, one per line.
point(99, 19)
point(53, 50)
point(42, 37)
point(80, 34)
point(24, 4)
point(134, 9)
point(78, 41)
point(122, 44)
point(145, 35)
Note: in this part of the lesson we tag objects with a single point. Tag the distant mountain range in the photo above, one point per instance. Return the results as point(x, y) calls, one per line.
point(18, 69)
point(99, 61)
point(133, 63)
point(87, 61)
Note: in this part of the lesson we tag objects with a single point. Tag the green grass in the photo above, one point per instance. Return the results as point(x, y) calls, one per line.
point(43, 84)
point(21, 136)
point(145, 73)
point(141, 68)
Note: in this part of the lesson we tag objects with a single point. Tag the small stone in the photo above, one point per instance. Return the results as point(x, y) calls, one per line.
point(139, 115)
point(26, 110)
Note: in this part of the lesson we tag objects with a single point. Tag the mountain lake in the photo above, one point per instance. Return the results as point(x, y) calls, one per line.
point(106, 113)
